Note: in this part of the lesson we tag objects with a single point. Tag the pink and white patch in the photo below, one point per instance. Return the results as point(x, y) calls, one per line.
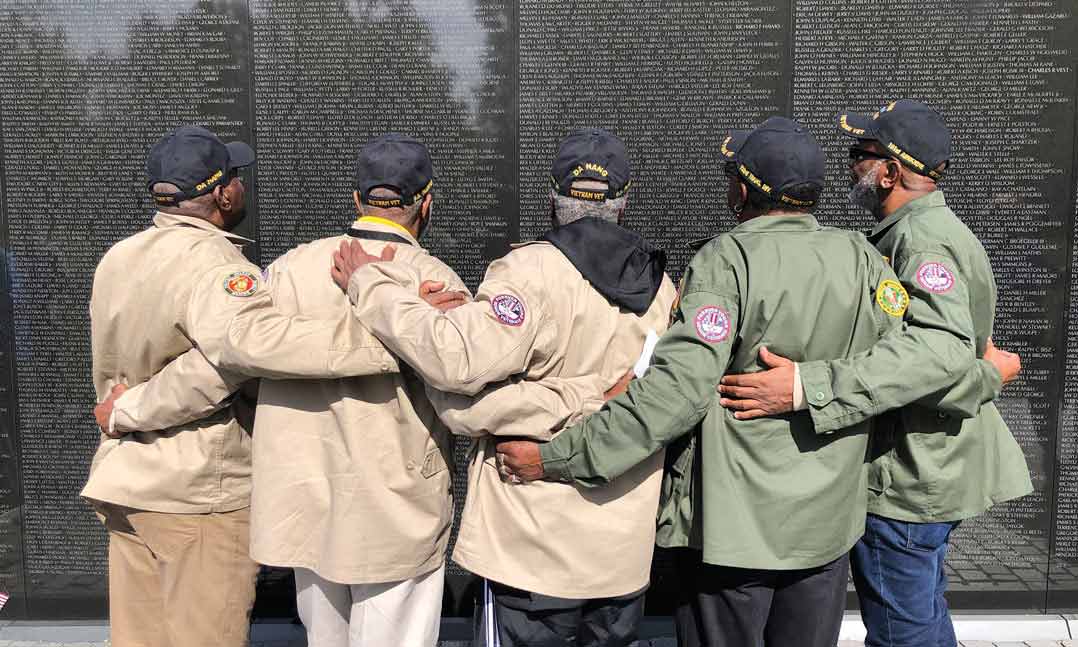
point(508, 309)
point(935, 277)
point(712, 324)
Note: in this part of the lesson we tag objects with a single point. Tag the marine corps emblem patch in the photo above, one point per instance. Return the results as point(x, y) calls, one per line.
point(935, 277)
point(712, 324)
point(892, 298)
point(241, 284)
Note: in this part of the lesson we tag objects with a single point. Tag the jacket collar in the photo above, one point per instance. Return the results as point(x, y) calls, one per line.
point(763, 224)
point(384, 226)
point(925, 202)
point(163, 220)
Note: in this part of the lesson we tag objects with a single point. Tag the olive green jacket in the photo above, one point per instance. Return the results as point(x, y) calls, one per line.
point(769, 493)
point(929, 463)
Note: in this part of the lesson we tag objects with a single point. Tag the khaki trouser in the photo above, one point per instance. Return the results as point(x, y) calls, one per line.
point(179, 580)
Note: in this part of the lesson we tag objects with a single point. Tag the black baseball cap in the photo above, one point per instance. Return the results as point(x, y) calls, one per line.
point(913, 133)
point(398, 162)
point(591, 154)
point(777, 155)
point(196, 161)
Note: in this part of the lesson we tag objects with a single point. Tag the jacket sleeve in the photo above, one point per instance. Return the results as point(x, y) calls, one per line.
point(518, 407)
point(230, 316)
point(931, 355)
point(498, 335)
point(674, 395)
point(188, 388)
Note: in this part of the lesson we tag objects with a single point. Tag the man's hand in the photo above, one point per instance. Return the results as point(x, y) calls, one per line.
point(103, 411)
point(433, 293)
point(621, 387)
point(519, 461)
point(351, 256)
point(1008, 364)
point(767, 393)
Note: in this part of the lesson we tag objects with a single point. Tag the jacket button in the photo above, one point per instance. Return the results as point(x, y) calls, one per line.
point(411, 465)
point(941, 415)
point(820, 395)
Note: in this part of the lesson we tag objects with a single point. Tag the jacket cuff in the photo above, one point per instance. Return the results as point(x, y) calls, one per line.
point(555, 467)
point(993, 381)
point(818, 392)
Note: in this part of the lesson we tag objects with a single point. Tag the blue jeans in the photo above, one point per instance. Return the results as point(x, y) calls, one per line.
point(898, 571)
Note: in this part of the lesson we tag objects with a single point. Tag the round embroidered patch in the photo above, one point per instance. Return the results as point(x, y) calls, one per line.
point(712, 324)
point(892, 298)
point(508, 309)
point(935, 277)
point(241, 284)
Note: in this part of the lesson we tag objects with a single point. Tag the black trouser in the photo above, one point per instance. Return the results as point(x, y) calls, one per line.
point(720, 606)
point(532, 620)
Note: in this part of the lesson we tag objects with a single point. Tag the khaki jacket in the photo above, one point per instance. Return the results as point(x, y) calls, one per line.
point(352, 476)
point(183, 290)
point(535, 319)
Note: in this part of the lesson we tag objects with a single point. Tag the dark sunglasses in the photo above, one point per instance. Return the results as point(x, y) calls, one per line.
point(858, 155)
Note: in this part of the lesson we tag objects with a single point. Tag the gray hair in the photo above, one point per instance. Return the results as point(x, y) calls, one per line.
point(402, 215)
point(567, 210)
point(201, 207)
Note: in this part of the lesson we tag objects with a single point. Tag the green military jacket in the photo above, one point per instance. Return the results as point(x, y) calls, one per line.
point(769, 493)
point(931, 461)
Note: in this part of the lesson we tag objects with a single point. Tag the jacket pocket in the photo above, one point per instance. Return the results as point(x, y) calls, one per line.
point(679, 456)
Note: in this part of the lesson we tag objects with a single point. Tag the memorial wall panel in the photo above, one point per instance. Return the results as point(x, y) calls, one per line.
point(1063, 573)
point(671, 78)
point(491, 86)
point(85, 88)
point(1003, 75)
point(330, 75)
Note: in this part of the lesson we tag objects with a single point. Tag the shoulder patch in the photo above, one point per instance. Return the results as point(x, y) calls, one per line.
point(508, 309)
point(712, 324)
point(935, 277)
point(241, 284)
point(892, 298)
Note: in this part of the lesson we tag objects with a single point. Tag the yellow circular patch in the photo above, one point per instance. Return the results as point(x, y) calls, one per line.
point(892, 298)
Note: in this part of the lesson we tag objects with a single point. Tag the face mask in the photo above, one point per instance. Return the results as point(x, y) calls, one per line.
point(865, 193)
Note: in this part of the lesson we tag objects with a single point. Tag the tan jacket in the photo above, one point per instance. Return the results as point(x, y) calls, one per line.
point(536, 318)
point(183, 290)
point(352, 476)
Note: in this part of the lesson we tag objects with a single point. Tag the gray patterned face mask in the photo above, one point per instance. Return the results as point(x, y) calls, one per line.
point(865, 193)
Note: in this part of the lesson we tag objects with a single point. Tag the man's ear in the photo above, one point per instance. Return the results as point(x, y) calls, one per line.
point(424, 211)
point(891, 174)
point(743, 193)
point(222, 199)
point(355, 199)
